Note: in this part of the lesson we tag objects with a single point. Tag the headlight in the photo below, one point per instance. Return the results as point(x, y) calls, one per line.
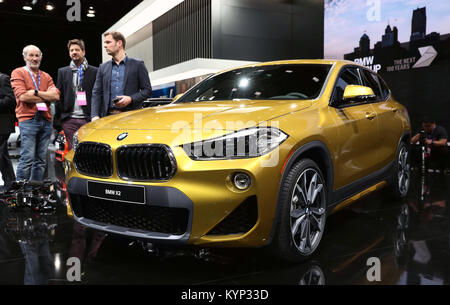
point(245, 143)
point(75, 141)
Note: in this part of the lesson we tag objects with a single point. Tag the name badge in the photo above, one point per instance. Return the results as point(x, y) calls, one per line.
point(42, 107)
point(81, 98)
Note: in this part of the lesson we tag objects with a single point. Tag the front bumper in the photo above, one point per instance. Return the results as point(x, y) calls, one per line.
point(129, 219)
point(203, 189)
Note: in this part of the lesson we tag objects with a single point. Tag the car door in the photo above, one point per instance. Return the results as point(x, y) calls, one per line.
point(388, 123)
point(357, 132)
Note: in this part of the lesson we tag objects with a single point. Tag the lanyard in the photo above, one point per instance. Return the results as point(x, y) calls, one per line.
point(33, 79)
point(80, 76)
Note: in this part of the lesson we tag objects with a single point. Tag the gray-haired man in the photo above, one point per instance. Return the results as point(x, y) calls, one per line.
point(34, 90)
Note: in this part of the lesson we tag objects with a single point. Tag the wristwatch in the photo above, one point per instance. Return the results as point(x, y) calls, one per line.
point(36, 93)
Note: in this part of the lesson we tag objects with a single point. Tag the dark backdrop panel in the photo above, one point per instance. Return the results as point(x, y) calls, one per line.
point(263, 21)
point(308, 28)
point(50, 38)
point(263, 30)
point(50, 31)
point(253, 46)
point(424, 91)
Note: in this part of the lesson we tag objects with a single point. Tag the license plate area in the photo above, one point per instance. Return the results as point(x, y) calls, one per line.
point(116, 192)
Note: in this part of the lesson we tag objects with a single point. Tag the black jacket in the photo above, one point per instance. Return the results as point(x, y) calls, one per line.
point(64, 108)
point(136, 85)
point(7, 105)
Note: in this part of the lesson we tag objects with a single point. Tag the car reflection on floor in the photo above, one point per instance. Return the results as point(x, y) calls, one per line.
point(424, 250)
point(411, 238)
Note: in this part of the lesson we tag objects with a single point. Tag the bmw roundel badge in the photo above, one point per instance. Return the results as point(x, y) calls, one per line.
point(122, 136)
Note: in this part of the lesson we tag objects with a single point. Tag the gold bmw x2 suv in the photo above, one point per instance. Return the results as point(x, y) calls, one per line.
point(252, 156)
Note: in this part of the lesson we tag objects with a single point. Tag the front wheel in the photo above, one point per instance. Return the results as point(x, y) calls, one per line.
point(402, 175)
point(302, 216)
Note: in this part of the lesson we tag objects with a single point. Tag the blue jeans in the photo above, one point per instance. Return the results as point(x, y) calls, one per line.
point(35, 136)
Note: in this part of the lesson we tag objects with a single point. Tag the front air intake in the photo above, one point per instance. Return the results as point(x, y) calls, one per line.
point(131, 216)
point(149, 162)
point(240, 221)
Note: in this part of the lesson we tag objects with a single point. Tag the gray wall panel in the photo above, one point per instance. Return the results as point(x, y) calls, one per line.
point(182, 34)
point(254, 30)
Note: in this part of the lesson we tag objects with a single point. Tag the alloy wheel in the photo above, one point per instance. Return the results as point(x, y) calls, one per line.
point(403, 171)
point(314, 276)
point(307, 214)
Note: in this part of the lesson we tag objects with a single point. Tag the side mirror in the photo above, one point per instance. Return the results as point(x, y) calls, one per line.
point(177, 96)
point(355, 93)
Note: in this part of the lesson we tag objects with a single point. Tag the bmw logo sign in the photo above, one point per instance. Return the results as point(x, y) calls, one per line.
point(122, 136)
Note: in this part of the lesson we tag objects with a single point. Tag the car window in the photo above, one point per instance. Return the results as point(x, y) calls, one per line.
point(384, 88)
point(271, 82)
point(348, 76)
point(371, 80)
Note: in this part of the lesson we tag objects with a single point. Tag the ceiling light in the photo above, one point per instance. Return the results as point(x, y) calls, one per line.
point(27, 6)
point(91, 12)
point(49, 6)
point(243, 82)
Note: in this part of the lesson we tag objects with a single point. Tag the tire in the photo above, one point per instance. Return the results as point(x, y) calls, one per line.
point(302, 204)
point(402, 174)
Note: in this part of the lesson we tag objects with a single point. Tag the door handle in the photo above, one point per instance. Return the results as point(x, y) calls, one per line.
point(394, 109)
point(370, 115)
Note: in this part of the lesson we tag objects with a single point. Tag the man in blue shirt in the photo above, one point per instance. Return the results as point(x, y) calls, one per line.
point(122, 84)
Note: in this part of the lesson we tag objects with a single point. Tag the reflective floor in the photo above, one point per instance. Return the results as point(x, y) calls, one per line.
point(411, 238)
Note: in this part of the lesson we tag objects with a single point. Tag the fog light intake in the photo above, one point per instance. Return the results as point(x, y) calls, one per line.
point(242, 181)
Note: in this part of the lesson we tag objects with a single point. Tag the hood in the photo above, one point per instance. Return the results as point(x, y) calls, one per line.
point(227, 115)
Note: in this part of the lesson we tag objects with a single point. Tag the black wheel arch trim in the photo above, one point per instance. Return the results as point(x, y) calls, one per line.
point(405, 137)
point(326, 158)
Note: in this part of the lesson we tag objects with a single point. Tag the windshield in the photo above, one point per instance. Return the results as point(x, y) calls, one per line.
point(275, 82)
